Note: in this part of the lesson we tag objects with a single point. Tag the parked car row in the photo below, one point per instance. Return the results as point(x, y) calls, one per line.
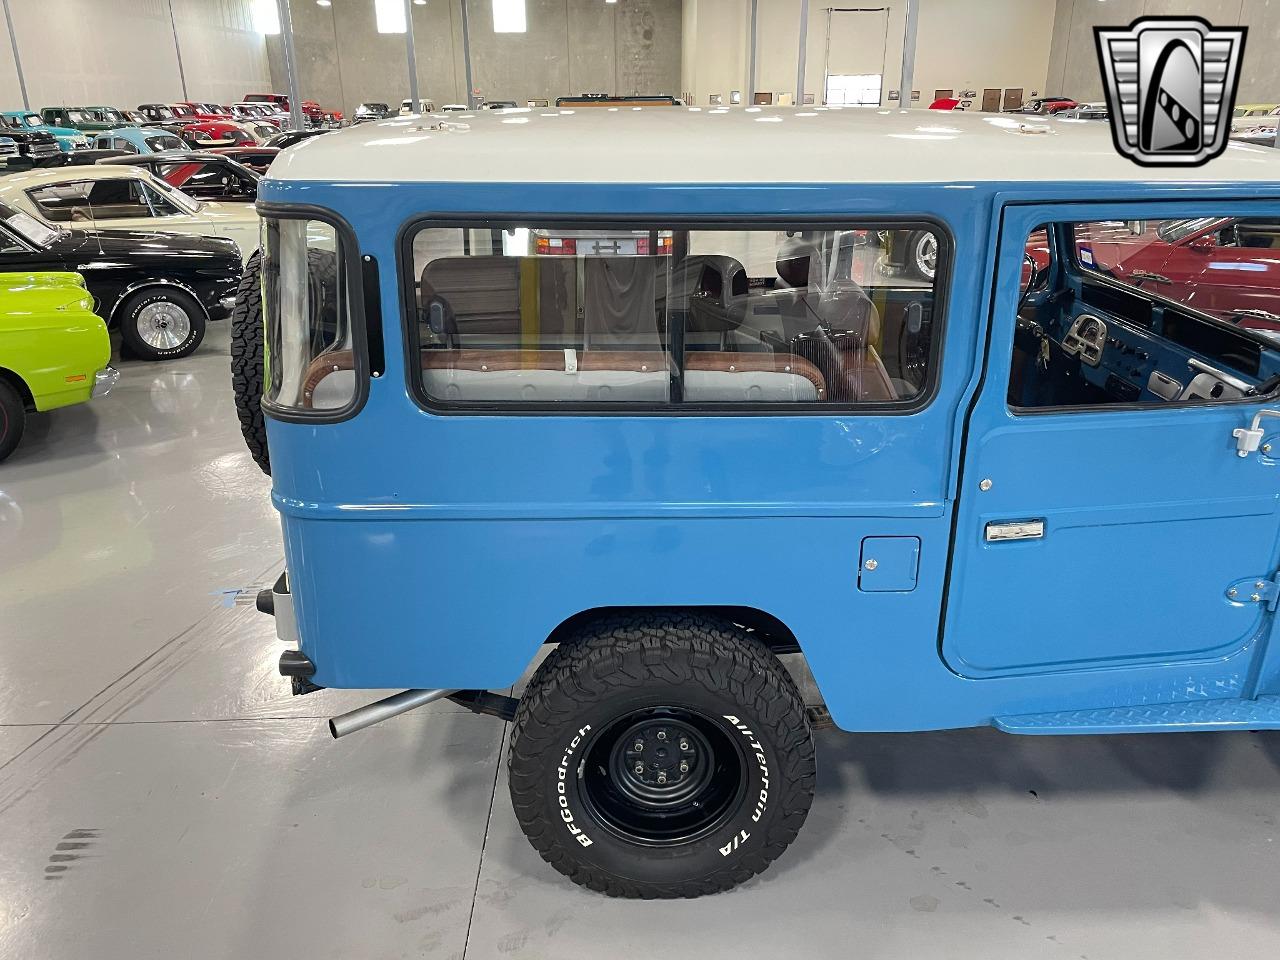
point(56, 135)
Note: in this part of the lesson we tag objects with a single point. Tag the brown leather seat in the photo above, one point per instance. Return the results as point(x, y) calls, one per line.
point(621, 375)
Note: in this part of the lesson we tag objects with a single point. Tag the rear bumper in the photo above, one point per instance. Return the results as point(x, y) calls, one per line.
point(104, 380)
point(294, 664)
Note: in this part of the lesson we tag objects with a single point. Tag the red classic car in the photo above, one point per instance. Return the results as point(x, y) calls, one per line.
point(208, 133)
point(1046, 105)
point(1226, 267)
point(204, 111)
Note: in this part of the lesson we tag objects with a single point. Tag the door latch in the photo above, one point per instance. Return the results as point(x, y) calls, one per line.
point(1014, 530)
point(1249, 438)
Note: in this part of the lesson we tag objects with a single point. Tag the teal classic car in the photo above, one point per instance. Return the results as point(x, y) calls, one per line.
point(69, 139)
point(138, 140)
point(54, 350)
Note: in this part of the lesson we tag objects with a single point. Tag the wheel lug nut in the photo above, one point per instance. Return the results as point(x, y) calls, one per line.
point(662, 778)
point(662, 734)
point(639, 768)
point(684, 767)
point(684, 744)
point(639, 747)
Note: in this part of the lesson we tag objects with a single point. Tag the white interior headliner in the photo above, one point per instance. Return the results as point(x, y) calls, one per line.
point(739, 145)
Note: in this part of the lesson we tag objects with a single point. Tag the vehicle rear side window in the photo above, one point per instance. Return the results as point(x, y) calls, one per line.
point(113, 199)
point(311, 365)
point(652, 315)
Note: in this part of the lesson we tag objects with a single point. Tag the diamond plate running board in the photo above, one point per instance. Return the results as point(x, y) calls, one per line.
point(1196, 715)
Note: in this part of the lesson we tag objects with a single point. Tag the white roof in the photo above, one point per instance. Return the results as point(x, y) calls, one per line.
point(39, 176)
point(738, 145)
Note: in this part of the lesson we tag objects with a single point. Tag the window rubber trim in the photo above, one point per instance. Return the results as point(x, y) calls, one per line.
point(499, 221)
point(346, 237)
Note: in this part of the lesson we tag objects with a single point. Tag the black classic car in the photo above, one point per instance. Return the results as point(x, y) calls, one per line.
point(37, 148)
point(160, 289)
point(291, 137)
point(205, 176)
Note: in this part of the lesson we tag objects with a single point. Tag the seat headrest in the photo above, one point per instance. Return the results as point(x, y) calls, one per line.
point(797, 260)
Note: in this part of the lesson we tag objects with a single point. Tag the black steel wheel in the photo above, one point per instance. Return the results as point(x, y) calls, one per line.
point(661, 755)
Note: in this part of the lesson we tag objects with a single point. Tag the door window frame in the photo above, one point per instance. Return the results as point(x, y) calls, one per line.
point(1021, 218)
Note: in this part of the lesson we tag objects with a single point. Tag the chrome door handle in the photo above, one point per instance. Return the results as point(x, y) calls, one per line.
point(1248, 438)
point(1014, 530)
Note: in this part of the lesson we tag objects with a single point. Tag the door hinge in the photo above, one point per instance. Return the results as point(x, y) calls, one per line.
point(1264, 590)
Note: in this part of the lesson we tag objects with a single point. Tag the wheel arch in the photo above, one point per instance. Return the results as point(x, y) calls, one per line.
point(24, 392)
point(147, 284)
point(773, 632)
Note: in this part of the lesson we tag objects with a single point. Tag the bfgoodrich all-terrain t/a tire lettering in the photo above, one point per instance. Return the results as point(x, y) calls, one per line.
point(661, 755)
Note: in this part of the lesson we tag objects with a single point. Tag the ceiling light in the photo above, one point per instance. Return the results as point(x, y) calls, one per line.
point(508, 16)
point(265, 16)
point(389, 15)
point(419, 3)
point(324, 3)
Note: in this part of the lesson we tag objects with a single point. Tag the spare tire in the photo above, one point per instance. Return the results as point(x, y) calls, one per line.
point(248, 366)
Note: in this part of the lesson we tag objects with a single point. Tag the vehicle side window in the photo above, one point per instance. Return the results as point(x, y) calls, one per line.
point(311, 363)
point(1123, 313)
point(10, 244)
point(659, 316)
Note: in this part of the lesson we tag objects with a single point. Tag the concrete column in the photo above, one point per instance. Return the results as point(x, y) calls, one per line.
point(412, 54)
point(17, 61)
point(466, 51)
point(909, 52)
point(803, 53)
point(751, 56)
point(290, 64)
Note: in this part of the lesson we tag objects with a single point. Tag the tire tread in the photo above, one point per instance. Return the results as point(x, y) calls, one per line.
point(610, 654)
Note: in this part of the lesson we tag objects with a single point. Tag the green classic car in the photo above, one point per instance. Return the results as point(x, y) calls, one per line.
point(54, 350)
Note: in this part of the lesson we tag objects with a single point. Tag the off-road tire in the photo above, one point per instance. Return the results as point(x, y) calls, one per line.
point(248, 365)
point(13, 418)
point(131, 338)
point(248, 355)
point(612, 668)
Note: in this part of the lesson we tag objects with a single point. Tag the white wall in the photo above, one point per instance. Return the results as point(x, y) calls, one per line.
point(122, 52)
point(1073, 58)
point(961, 44)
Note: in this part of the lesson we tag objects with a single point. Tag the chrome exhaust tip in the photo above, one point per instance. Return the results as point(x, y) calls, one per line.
point(380, 710)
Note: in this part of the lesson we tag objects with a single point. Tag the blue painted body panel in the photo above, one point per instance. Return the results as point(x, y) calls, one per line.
point(431, 550)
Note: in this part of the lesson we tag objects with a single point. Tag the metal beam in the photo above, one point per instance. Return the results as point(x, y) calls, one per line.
point(466, 50)
point(17, 61)
point(412, 54)
point(177, 49)
point(290, 65)
point(751, 59)
point(803, 53)
point(909, 52)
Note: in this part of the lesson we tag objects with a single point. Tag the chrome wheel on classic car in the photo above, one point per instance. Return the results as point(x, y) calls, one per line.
point(161, 323)
point(922, 255)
